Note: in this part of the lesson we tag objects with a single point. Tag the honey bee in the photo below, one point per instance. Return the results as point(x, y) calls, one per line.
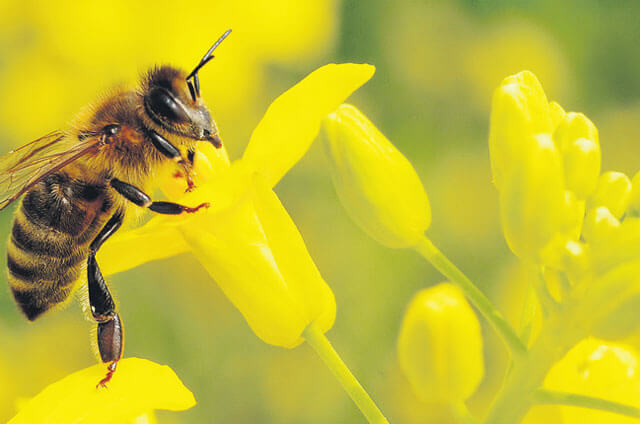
point(77, 185)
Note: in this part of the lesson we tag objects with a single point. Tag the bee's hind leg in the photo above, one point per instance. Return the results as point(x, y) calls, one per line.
point(103, 309)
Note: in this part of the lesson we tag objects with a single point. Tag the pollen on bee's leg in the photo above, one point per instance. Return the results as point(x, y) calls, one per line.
point(111, 369)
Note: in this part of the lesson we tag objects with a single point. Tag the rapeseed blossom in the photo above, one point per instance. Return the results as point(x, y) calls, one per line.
point(246, 239)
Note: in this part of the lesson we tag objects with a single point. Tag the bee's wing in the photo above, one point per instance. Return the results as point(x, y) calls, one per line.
point(22, 168)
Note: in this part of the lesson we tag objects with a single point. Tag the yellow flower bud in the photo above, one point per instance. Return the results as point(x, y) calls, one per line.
point(575, 214)
point(613, 191)
point(532, 199)
point(619, 246)
point(634, 197)
point(557, 114)
point(582, 166)
point(519, 110)
point(600, 369)
point(599, 225)
point(440, 345)
point(375, 182)
point(565, 254)
point(572, 127)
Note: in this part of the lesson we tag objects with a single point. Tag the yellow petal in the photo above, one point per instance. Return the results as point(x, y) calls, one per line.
point(138, 386)
point(375, 182)
point(233, 248)
point(290, 253)
point(160, 237)
point(292, 121)
point(440, 345)
point(148, 243)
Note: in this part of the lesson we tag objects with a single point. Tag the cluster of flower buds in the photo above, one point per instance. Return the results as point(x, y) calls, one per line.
point(546, 166)
point(558, 210)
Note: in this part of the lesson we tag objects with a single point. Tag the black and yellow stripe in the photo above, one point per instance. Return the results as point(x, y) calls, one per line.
point(50, 239)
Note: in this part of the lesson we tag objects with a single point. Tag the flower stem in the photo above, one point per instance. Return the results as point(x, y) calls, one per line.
point(547, 302)
point(319, 342)
point(431, 253)
point(550, 397)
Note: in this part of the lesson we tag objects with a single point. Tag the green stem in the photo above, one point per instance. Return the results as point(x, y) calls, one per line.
point(431, 253)
point(549, 397)
point(527, 316)
point(319, 342)
point(527, 375)
point(547, 302)
point(462, 414)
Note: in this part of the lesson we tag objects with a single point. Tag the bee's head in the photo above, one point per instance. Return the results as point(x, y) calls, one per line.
point(172, 100)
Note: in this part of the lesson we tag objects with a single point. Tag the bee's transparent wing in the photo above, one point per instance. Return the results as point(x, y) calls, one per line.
point(24, 167)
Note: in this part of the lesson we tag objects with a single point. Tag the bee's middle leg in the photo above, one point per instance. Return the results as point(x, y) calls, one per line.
point(103, 309)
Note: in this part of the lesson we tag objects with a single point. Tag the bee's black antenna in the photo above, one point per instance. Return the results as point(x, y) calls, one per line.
point(195, 87)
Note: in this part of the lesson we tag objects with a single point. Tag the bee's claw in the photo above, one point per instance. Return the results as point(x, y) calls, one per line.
point(111, 369)
point(197, 208)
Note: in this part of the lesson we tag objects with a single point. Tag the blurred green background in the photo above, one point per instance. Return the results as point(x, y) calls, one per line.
point(437, 65)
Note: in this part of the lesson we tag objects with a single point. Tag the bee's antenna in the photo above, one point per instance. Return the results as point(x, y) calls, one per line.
point(195, 87)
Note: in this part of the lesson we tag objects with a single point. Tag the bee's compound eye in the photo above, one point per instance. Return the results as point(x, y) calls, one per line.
point(162, 103)
point(111, 129)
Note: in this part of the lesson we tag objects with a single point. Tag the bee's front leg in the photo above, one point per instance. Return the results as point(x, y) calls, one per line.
point(165, 147)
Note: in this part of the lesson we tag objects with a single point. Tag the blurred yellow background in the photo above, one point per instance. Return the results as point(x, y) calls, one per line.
point(437, 65)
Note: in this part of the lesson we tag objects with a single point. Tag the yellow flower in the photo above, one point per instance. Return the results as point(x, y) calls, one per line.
point(600, 369)
point(375, 182)
point(440, 345)
point(139, 386)
point(246, 239)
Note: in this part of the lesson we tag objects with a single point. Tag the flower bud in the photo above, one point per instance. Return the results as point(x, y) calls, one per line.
point(599, 225)
point(634, 197)
point(440, 345)
point(622, 244)
point(582, 166)
point(575, 214)
point(567, 255)
point(557, 114)
point(519, 110)
point(572, 127)
point(375, 182)
point(532, 199)
point(613, 191)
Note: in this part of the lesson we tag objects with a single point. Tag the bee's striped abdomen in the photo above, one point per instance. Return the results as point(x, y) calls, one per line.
point(49, 240)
